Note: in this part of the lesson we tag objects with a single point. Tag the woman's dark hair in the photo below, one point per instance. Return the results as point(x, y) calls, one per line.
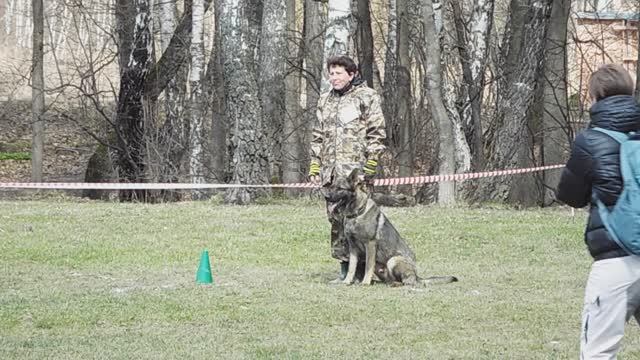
point(609, 80)
point(340, 60)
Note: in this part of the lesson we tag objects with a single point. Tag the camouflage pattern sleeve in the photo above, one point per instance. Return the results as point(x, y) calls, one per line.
point(317, 137)
point(376, 133)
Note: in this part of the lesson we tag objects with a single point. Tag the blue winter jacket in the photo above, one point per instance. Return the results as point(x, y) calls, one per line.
point(593, 169)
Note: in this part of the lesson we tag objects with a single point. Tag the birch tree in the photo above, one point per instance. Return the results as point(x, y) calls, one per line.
point(215, 87)
point(37, 91)
point(433, 83)
point(556, 111)
point(196, 159)
point(175, 91)
point(272, 69)
point(250, 161)
point(294, 129)
point(401, 119)
point(473, 47)
point(390, 63)
point(397, 87)
point(175, 56)
point(167, 142)
point(315, 19)
point(364, 39)
point(336, 39)
point(453, 90)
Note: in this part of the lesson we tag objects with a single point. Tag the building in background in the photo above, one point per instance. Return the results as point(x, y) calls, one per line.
point(602, 31)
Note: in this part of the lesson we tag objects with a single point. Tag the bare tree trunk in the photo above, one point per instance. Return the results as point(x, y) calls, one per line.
point(364, 40)
point(133, 22)
point(406, 145)
point(513, 145)
point(168, 144)
point(174, 57)
point(196, 140)
point(336, 40)
point(250, 164)
point(397, 89)
point(389, 98)
point(216, 92)
point(272, 70)
point(294, 131)
point(390, 63)
point(473, 48)
point(433, 82)
point(37, 91)
point(453, 89)
point(556, 108)
point(315, 20)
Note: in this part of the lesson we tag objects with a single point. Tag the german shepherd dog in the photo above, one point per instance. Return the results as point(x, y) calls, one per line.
point(370, 234)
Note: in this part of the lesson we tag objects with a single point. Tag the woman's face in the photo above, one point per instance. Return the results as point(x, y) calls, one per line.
point(339, 77)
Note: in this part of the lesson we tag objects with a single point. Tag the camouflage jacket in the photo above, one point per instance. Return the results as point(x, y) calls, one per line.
point(349, 129)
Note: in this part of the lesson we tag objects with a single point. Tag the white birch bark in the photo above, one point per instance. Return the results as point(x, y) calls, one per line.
point(8, 16)
point(446, 154)
point(462, 149)
point(135, 59)
point(336, 40)
point(167, 19)
point(437, 15)
point(173, 95)
point(293, 130)
point(24, 27)
point(392, 45)
point(480, 26)
point(472, 43)
point(391, 56)
point(272, 67)
point(481, 22)
point(196, 159)
point(450, 92)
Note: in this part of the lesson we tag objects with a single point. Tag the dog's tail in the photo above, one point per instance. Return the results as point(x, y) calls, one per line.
point(435, 280)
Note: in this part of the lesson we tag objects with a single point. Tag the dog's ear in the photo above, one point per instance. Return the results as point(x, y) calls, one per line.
point(354, 177)
point(332, 178)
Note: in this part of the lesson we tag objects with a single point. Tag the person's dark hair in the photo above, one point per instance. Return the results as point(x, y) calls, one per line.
point(609, 80)
point(340, 60)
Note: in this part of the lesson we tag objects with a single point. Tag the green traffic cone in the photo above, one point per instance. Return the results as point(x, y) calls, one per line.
point(203, 276)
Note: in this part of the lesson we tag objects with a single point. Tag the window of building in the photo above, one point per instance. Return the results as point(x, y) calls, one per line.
point(629, 5)
point(598, 5)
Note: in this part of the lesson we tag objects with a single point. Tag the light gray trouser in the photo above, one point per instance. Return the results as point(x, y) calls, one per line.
point(612, 296)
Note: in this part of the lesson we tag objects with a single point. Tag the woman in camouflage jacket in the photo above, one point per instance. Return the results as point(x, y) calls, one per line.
point(349, 133)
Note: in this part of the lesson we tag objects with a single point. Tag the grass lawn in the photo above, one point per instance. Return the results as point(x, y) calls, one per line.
point(85, 280)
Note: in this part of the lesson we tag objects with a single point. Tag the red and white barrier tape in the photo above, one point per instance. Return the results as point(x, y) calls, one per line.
point(166, 186)
point(459, 177)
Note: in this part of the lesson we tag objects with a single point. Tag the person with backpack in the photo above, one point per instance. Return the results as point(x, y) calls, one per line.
point(593, 177)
